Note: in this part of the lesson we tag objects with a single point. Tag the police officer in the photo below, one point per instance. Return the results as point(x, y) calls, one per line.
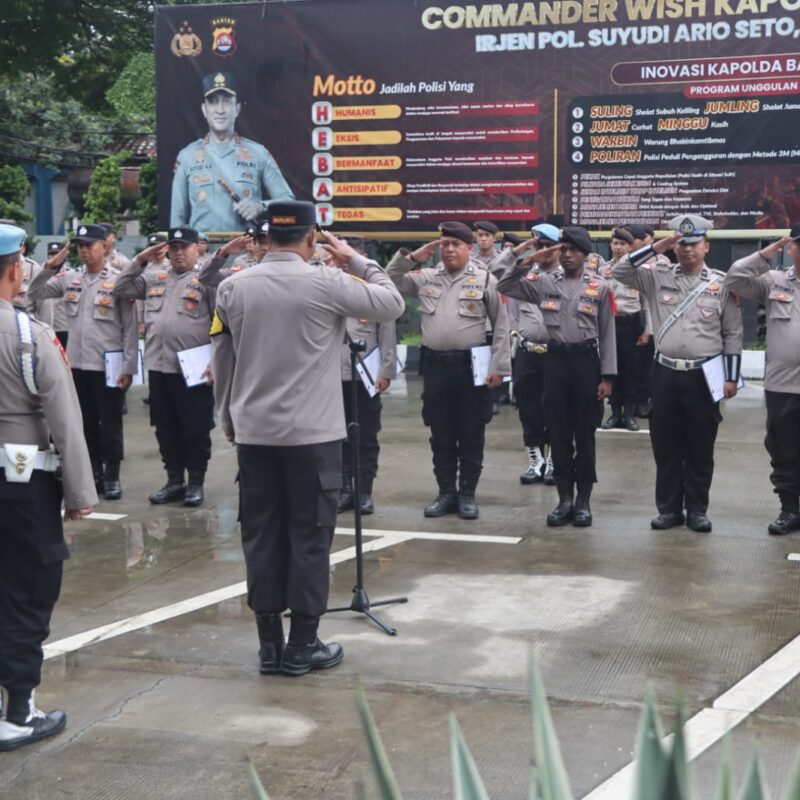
point(485, 253)
point(632, 324)
point(59, 310)
point(694, 318)
point(38, 402)
point(779, 291)
point(223, 180)
point(529, 360)
point(98, 323)
point(382, 335)
point(203, 256)
point(41, 309)
point(278, 396)
point(456, 298)
point(113, 256)
point(177, 315)
point(254, 245)
point(581, 362)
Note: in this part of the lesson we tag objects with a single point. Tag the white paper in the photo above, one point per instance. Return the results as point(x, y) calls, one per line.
point(372, 362)
point(194, 362)
point(113, 360)
point(714, 371)
point(481, 361)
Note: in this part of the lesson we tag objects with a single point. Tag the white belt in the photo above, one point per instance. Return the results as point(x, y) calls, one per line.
point(681, 364)
point(20, 460)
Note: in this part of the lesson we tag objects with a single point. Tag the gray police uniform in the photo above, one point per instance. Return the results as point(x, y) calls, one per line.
point(278, 389)
point(684, 419)
point(177, 316)
point(248, 168)
point(456, 310)
point(97, 323)
point(214, 271)
point(42, 309)
point(384, 336)
point(779, 291)
point(32, 547)
point(581, 350)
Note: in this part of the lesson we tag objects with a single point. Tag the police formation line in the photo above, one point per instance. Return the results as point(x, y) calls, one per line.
point(285, 408)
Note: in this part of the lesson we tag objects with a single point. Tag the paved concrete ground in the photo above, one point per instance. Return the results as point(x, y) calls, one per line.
point(174, 708)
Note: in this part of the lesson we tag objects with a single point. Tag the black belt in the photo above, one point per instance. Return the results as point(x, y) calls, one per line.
point(448, 356)
point(540, 348)
point(568, 348)
point(629, 320)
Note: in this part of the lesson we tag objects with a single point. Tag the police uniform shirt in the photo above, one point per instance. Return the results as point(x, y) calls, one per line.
point(96, 321)
point(527, 317)
point(628, 299)
point(31, 419)
point(177, 311)
point(247, 167)
point(280, 383)
point(117, 260)
point(42, 310)
point(455, 308)
point(713, 323)
point(375, 334)
point(779, 291)
point(214, 271)
point(574, 311)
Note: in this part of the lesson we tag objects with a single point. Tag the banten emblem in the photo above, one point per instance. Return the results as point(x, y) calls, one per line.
point(224, 43)
point(186, 43)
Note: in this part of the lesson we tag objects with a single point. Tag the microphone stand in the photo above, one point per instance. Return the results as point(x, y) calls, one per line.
point(361, 603)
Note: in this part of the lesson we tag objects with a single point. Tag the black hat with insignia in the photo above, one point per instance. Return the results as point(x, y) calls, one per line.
point(512, 238)
point(291, 214)
point(489, 227)
point(578, 237)
point(156, 238)
point(53, 248)
point(251, 230)
point(457, 230)
point(623, 234)
point(90, 233)
point(182, 235)
point(795, 232)
point(219, 82)
point(108, 226)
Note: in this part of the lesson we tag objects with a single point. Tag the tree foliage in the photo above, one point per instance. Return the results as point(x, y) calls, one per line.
point(104, 195)
point(13, 191)
point(133, 94)
point(147, 208)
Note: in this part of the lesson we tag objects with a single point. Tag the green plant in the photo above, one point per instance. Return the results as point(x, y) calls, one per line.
point(411, 338)
point(105, 193)
point(13, 192)
point(662, 771)
point(147, 207)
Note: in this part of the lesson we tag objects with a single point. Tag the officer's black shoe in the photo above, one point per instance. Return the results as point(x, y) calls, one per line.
point(194, 495)
point(346, 500)
point(367, 504)
point(495, 408)
point(445, 503)
point(666, 521)
point(614, 421)
point(631, 424)
point(168, 493)
point(582, 517)
point(564, 511)
point(22, 723)
point(299, 659)
point(271, 643)
point(698, 521)
point(787, 522)
point(467, 507)
point(112, 490)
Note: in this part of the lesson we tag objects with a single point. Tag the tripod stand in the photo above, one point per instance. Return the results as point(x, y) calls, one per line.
point(361, 603)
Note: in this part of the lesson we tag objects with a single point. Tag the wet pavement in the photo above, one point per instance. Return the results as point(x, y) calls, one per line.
point(171, 705)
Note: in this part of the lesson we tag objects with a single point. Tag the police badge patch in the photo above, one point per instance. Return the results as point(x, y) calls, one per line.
point(224, 42)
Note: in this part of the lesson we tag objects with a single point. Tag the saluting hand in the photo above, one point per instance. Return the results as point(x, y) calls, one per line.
point(776, 248)
point(55, 261)
point(341, 252)
point(235, 246)
point(155, 252)
point(422, 254)
point(527, 245)
point(662, 245)
point(541, 255)
point(73, 514)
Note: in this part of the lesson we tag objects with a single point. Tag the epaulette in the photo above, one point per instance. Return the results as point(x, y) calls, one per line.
point(355, 277)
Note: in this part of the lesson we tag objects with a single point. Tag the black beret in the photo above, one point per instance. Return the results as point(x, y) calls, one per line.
point(649, 230)
point(183, 234)
point(490, 227)
point(91, 233)
point(637, 231)
point(624, 235)
point(577, 237)
point(457, 230)
point(512, 238)
point(291, 214)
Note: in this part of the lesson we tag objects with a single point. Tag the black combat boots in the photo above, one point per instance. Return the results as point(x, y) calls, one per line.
point(582, 517)
point(563, 512)
point(174, 489)
point(271, 643)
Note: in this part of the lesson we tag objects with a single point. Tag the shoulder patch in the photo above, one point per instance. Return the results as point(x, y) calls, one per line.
point(217, 326)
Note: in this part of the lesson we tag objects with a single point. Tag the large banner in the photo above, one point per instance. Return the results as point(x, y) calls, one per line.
point(392, 115)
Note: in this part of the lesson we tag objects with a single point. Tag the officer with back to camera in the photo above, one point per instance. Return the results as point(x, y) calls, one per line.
point(37, 403)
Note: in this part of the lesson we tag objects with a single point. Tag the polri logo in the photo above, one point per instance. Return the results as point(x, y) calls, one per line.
point(224, 42)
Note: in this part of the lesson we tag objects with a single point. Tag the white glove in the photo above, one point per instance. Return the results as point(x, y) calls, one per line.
point(248, 209)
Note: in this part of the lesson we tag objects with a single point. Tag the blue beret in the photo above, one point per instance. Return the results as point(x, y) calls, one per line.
point(11, 239)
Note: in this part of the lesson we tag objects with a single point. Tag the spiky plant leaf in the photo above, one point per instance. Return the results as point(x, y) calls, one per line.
point(652, 761)
point(725, 779)
point(678, 783)
point(467, 781)
point(552, 777)
point(794, 784)
point(387, 785)
point(755, 787)
point(255, 782)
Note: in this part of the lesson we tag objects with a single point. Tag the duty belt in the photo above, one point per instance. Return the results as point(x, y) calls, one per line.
point(448, 356)
point(681, 364)
point(20, 460)
point(561, 348)
point(532, 347)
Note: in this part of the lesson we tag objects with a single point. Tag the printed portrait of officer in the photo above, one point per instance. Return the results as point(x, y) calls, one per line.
point(223, 181)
